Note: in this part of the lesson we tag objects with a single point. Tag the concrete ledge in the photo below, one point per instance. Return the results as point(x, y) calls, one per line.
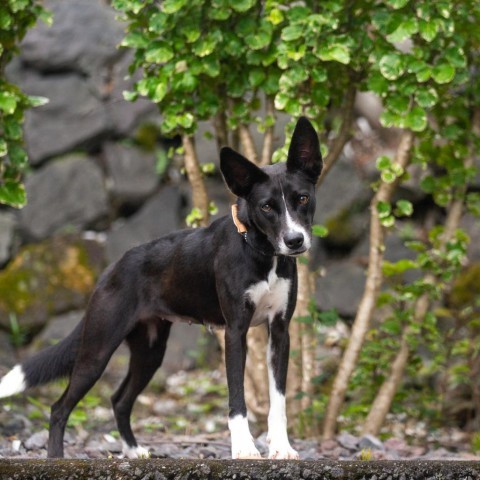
point(165, 469)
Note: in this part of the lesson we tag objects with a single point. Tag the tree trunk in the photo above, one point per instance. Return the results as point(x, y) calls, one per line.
point(369, 298)
point(195, 178)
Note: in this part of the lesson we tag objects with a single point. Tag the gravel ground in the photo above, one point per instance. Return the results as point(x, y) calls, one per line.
point(185, 418)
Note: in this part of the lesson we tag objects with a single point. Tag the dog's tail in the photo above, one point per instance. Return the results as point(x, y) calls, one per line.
point(47, 365)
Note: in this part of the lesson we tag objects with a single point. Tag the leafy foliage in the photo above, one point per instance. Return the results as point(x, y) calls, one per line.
point(16, 17)
point(205, 59)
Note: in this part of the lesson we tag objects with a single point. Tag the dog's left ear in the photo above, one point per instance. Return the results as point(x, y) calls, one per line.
point(240, 174)
point(304, 152)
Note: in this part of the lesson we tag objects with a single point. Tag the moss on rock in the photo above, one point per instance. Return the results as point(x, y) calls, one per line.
point(48, 278)
point(466, 289)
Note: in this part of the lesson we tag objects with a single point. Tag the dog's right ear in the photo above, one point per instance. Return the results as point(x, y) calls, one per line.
point(239, 173)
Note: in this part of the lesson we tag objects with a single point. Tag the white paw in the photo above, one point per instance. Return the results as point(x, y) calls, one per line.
point(246, 451)
point(135, 452)
point(282, 451)
point(242, 440)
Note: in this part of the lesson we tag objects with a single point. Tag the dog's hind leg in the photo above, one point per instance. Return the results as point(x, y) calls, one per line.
point(147, 346)
point(101, 336)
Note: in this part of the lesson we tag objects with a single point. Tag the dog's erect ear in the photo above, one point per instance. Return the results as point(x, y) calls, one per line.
point(239, 173)
point(304, 152)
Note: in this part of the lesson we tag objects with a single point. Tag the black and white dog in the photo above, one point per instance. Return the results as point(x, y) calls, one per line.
point(234, 274)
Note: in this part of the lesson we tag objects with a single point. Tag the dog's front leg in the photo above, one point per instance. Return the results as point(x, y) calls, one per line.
point(277, 362)
point(235, 357)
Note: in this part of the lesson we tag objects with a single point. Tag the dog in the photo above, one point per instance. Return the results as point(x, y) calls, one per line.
point(236, 273)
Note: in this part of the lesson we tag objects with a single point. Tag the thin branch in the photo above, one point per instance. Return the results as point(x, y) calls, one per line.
point(195, 177)
point(267, 149)
point(344, 133)
point(384, 398)
point(247, 143)
point(220, 127)
point(370, 294)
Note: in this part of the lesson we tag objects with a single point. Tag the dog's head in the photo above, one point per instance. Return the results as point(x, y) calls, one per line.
point(279, 200)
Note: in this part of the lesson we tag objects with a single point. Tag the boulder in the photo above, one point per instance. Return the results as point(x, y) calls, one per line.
point(83, 38)
point(7, 235)
point(341, 288)
point(342, 189)
point(48, 278)
point(8, 357)
point(56, 329)
point(65, 193)
point(131, 172)
point(160, 215)
point(124, 116)
point(74, 117)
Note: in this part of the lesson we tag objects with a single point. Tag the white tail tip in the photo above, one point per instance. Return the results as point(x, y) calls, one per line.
point(13, 382)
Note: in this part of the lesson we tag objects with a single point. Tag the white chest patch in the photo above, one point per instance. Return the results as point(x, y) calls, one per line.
point(270, 297)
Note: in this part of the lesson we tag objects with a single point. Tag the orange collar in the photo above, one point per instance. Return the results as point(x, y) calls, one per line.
point(241, 228)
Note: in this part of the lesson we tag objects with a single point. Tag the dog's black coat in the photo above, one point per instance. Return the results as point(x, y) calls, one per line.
point(199, 276)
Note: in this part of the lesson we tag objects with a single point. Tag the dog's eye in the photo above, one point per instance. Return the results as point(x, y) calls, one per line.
point(266, 208)
point(303, 199)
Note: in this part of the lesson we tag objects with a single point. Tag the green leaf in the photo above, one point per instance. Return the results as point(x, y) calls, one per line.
point(172, 6)
point(428, 29)
point(205, 46)
point(336, 52)
point(391, 66)
point(275, 16)
point(384, 209)
point(390, 119)
point(256, 77)
point(259, 39)
point(292, 32)
point(399, 267)
point(5, 19)
point(456, 57)
point(320, 231)
point(378, 84)
point(130, 96)
point(404, 208)
point(17, 155)
point(404, 31)
point(242, 5)
point(13, 193)
point(135, 40)
point(396, 4)
point(383, 162)
point(3, 147)
point(8, 103)
point(426, 97)
point(160, 52)
point(416, 119)
point(159, 92)
point(443, 73)
point(37, 101)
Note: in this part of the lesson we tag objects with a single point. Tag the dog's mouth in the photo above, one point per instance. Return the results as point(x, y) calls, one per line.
point(292, 253)
point(297, 253)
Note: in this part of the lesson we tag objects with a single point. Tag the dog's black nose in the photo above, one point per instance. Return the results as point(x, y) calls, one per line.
point(293, 240)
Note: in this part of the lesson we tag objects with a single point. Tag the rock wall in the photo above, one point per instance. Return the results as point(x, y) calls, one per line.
point(94, 190)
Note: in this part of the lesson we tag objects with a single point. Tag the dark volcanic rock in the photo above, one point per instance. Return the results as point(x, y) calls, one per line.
point(160, 215)
point(341, 287)
point(67, 192)
point(131, 173)
point(83, 38)
point(7, 232)
point(74, 117)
